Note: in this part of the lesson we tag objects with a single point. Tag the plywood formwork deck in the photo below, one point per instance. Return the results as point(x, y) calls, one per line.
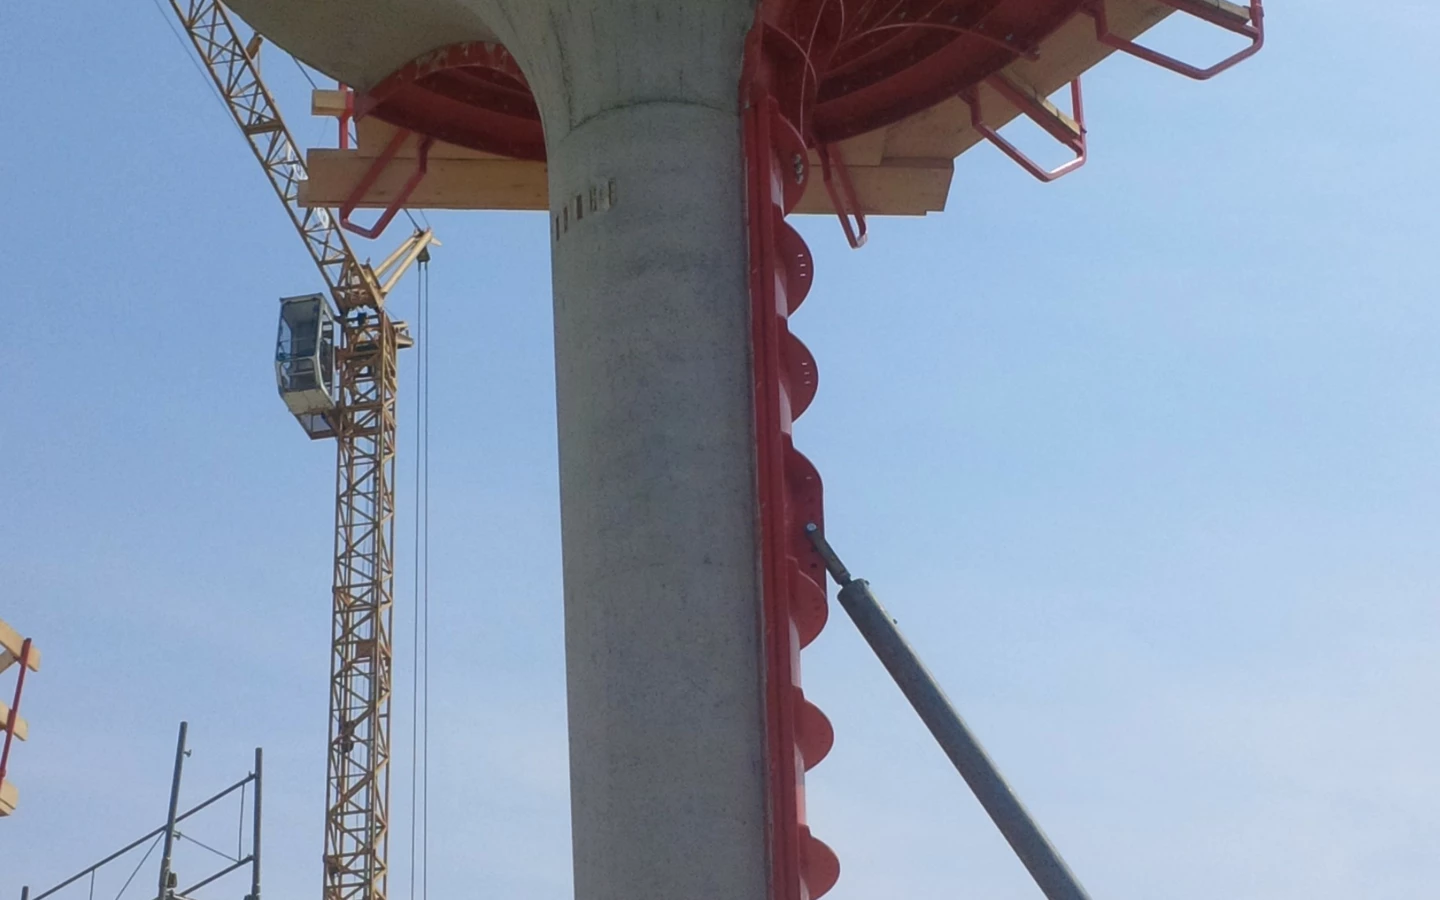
point(904, 169)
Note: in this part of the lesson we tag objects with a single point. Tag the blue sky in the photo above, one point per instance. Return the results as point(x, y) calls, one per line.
point(1146, 462)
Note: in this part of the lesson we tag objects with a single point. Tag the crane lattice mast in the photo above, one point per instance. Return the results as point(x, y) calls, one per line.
point(363, 425)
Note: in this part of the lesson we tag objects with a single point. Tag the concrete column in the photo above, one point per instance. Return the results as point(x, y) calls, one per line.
point(659, 518)
point(657, 458)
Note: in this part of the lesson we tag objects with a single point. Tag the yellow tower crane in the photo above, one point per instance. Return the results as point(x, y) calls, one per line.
point(337, 373)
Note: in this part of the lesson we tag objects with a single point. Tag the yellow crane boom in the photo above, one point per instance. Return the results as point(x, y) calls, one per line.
point(361, 418)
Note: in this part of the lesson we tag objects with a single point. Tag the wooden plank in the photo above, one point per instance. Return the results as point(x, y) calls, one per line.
point(1238, 14)
point(1073, 50)
point(510, 184)
point(327, 102)
point(1044, 109)
point(12, 643)
point(9, 797)
point(899, 187)
point(862, 150)
point(22, 729)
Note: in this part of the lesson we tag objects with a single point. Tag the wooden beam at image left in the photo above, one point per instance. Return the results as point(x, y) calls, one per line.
point(22, 729)
point(11, 643)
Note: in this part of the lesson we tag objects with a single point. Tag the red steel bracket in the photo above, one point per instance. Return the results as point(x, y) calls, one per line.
point(346, 117)
point(373, 175)
point(847, 208)
point(1039, 113)
point(1237, 19)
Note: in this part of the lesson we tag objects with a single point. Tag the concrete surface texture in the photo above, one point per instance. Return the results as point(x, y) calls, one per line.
point(640, 104)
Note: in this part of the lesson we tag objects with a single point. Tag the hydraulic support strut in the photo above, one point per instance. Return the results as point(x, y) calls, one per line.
point(928, 700)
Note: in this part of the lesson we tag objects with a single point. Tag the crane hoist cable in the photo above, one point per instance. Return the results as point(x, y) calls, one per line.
point(425, 604)
point(420, 643)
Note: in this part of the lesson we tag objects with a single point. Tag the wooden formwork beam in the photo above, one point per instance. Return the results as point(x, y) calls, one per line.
point(11, 644)
point(22, 730)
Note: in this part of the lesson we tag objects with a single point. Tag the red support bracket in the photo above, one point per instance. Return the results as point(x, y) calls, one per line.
point(1041, 114)
point(346, 117)
point(1247, 23)
point(847, 208)
point(373, 175)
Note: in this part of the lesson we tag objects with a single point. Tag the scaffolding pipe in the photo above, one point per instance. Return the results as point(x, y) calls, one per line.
point(25, 891)
point(170, 819)
point(255, 835)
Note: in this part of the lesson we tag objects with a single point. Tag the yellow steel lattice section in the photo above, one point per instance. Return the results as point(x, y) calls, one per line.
point(357, 792)
point(358, 784)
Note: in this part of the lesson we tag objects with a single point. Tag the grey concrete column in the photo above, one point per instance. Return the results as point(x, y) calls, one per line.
point(657, 501)
point(657, 458)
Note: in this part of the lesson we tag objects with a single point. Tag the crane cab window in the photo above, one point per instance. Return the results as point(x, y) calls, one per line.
point(305, 355)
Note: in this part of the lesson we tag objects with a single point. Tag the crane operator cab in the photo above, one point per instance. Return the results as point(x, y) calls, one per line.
point(305, 361)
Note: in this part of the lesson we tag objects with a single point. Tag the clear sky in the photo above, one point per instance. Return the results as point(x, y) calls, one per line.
point(1146, 462)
